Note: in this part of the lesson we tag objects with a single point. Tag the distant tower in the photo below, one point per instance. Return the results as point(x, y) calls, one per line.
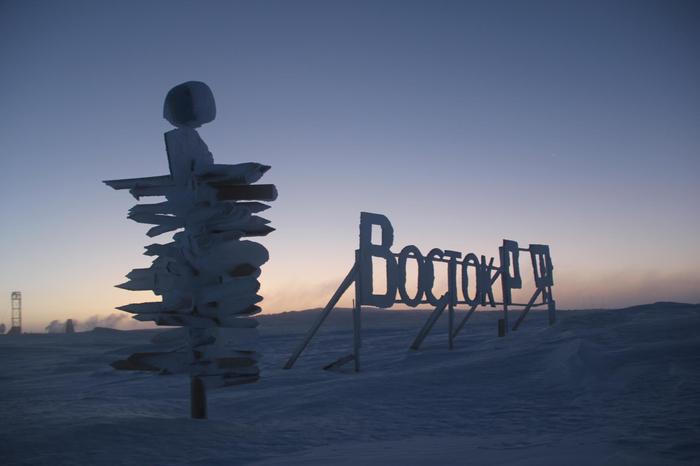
point(16, 323)
point(70, 327)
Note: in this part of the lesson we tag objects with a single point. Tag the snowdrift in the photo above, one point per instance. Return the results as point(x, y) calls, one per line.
point(606, 387)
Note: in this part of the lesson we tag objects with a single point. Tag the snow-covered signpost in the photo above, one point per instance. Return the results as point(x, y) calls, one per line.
point(207, 276)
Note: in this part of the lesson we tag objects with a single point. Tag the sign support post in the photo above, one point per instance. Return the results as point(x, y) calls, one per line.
point(198, 399)
point(505, 275)
point(442, 303)
point(450, 324)
point(522, 315)
point(349, 279)
point(356, 316)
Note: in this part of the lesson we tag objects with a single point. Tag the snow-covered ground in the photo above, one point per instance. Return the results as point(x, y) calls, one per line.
point(610, 387)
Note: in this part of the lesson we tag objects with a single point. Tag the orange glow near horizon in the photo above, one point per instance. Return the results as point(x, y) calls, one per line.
point(285, 291)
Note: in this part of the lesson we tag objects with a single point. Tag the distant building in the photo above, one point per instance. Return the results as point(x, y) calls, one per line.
point(2, 329)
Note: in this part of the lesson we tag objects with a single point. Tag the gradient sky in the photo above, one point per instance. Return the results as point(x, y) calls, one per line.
point(574, 124)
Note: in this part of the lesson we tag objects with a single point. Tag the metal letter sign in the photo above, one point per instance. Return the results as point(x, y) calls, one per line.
point(207, 276)
point(459, 289)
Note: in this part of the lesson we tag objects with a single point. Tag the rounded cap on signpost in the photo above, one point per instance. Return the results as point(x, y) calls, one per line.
point(189, 104)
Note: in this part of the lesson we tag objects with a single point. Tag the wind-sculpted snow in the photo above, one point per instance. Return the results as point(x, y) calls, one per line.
point(600, 387)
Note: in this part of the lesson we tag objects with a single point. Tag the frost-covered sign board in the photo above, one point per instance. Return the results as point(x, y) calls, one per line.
point(207, 276)
point(473, 293)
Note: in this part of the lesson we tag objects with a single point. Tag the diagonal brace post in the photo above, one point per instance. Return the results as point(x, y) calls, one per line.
point(527, 309)
point(464, 320)
point(472, 309)
point(442, 304)
point(349, 280)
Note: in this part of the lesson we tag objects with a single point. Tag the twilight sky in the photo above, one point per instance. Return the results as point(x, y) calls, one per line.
point(574, 124)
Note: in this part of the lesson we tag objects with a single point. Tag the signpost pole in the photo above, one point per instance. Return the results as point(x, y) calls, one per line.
point(506, 290)
point(198, 398)
point(451, 323)
point(551, 307)
point(356, 315)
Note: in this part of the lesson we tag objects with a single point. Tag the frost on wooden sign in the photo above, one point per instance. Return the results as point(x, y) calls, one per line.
point(207, 276)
